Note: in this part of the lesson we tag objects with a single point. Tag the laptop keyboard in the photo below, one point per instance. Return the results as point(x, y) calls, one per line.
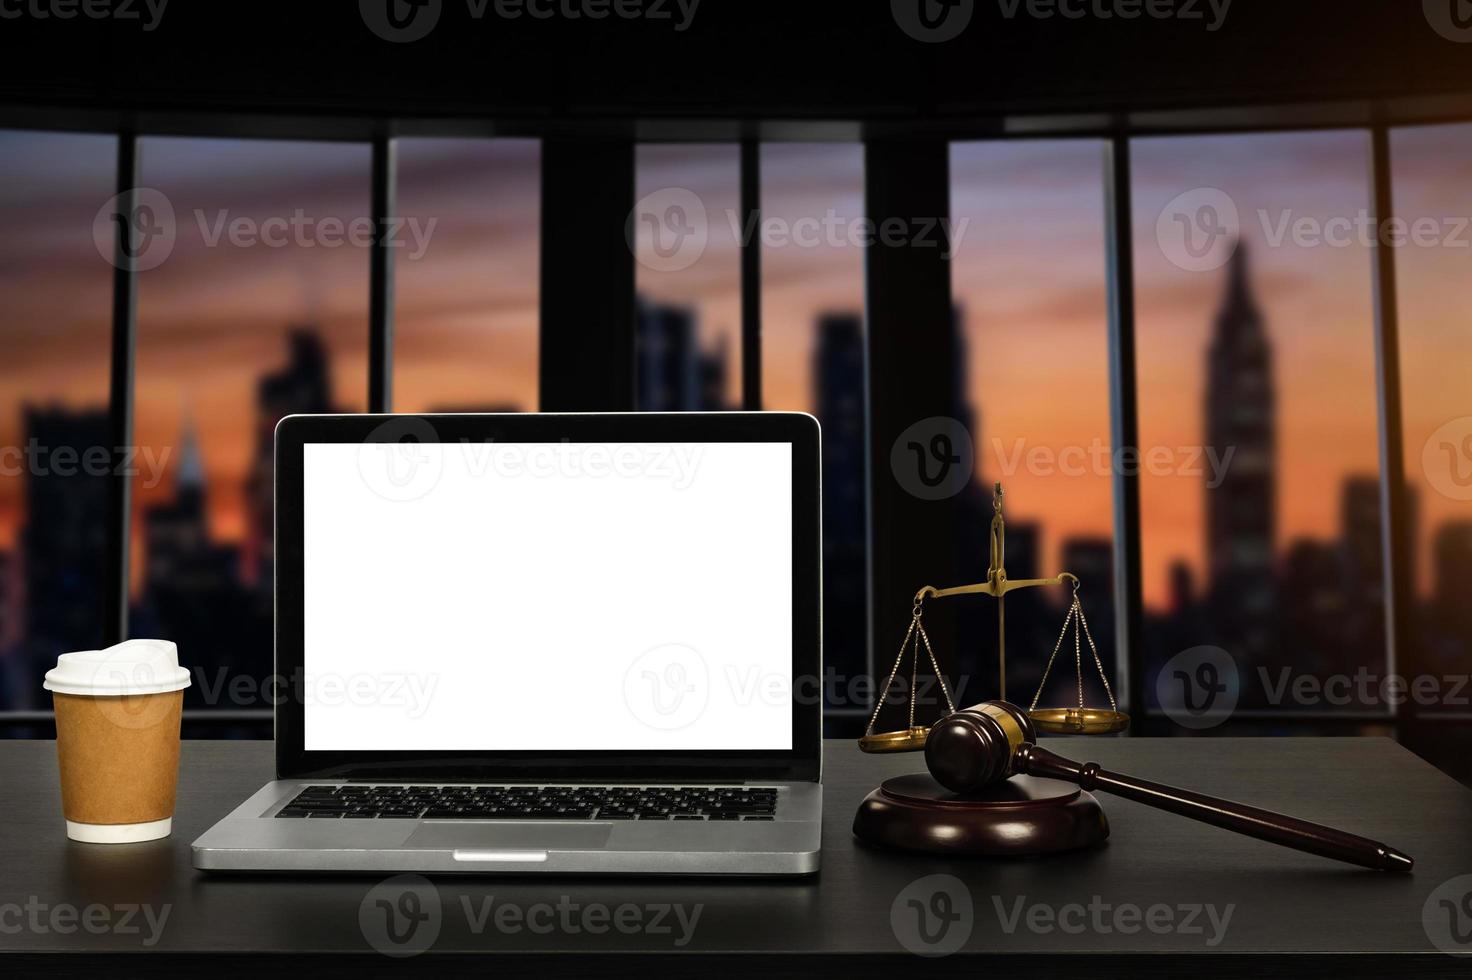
point(355, 802)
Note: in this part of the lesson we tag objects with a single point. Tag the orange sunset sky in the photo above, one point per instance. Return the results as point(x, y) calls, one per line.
point(1028, 274)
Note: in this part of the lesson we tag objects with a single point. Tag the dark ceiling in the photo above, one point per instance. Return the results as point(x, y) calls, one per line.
point(729, 60)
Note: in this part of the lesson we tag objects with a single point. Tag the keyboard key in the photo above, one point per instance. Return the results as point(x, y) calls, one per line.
point(474, 802)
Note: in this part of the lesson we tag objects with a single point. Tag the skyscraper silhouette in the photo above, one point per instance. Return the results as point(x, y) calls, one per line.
point(64, 543)
point(1452, 557)
point(177, 532)
point(302, 387)
point(838, 382)
point(1241, 511)
point(673, 373)
point(192, 590)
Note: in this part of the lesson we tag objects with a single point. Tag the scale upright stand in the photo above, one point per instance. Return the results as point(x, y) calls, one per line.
point(997, 585)
point(1080, 720)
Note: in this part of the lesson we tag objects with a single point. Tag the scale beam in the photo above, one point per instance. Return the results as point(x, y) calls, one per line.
point(994, 589)
point(1080, 720)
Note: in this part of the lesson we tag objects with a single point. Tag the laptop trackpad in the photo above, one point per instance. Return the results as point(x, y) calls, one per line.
point(546, 837)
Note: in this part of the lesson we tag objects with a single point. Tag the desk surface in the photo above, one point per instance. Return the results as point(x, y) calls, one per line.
point(1162, 885)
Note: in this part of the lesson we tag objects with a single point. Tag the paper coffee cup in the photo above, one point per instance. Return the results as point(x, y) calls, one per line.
point(117, 739)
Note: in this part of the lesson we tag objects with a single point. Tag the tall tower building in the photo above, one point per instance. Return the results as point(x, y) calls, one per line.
point(1241, 511)
point(664, 358)
point(303, 386)
point(674, 373)
point(974, 502)
point(1364, 558)
point(1452, 556)
point(192, 592)
point(63, 545)
point(177, 532)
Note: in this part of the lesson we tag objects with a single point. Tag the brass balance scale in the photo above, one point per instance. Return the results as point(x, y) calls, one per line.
point(1079, 719)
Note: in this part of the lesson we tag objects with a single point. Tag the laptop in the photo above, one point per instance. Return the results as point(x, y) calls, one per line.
point(542, 643)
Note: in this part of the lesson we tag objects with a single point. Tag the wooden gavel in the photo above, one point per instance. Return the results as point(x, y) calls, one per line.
point(989, 742)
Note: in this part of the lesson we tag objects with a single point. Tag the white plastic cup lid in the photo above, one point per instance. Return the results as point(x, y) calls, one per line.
point(129, 668)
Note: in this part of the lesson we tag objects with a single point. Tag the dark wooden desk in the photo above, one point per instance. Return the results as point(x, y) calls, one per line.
point(1124, 909)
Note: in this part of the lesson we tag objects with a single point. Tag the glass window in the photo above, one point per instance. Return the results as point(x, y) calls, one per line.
point(1257, 394)
point(813, 361)
point(56, 320)
point(1433, 202)
point(1031, 315)
point(258, 311)
point(465, 335)
point(685, 229)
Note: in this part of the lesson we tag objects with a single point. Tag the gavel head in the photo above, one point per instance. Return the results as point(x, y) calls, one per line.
point(977, 746)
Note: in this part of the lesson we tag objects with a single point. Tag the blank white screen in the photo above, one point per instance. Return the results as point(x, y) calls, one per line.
point(548, 597)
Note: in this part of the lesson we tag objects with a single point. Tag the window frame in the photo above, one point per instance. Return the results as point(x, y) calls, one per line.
point(1117, 132)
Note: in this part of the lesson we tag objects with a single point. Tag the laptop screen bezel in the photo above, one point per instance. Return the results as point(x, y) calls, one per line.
point(800, 763)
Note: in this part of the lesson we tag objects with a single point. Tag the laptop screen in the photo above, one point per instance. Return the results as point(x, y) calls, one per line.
point(575, 597)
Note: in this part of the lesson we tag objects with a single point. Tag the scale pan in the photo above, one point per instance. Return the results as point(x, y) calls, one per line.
point(1078, 721)
point(904, 740)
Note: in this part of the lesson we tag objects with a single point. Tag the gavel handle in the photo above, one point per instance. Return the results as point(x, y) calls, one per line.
point(1276, 828)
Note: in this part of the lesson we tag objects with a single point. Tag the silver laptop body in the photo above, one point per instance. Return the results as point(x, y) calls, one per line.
point(542, 643)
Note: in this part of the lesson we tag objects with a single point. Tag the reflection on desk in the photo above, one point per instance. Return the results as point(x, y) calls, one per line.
point(1161, 885)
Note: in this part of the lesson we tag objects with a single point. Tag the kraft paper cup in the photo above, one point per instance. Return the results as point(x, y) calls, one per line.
point(117, 739)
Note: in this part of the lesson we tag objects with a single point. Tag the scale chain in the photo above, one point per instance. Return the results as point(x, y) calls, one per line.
point(935, 666)
point(914, 622)
point(914, 669)
point(1078, 657)
point(1103, 677)
point(1067, 620)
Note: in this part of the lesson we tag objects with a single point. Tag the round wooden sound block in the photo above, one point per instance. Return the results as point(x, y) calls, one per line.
point(1020, 817)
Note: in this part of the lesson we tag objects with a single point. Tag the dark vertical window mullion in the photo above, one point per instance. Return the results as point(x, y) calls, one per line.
point(1394, 515)
point(1124, 424)
point(381, 279)
point(586, 331)
point(120, 393)
point(751, 275)
point(910, 333)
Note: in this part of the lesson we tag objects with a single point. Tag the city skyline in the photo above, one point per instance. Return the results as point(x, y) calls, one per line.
point(188, 579)
point(1029, 276)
